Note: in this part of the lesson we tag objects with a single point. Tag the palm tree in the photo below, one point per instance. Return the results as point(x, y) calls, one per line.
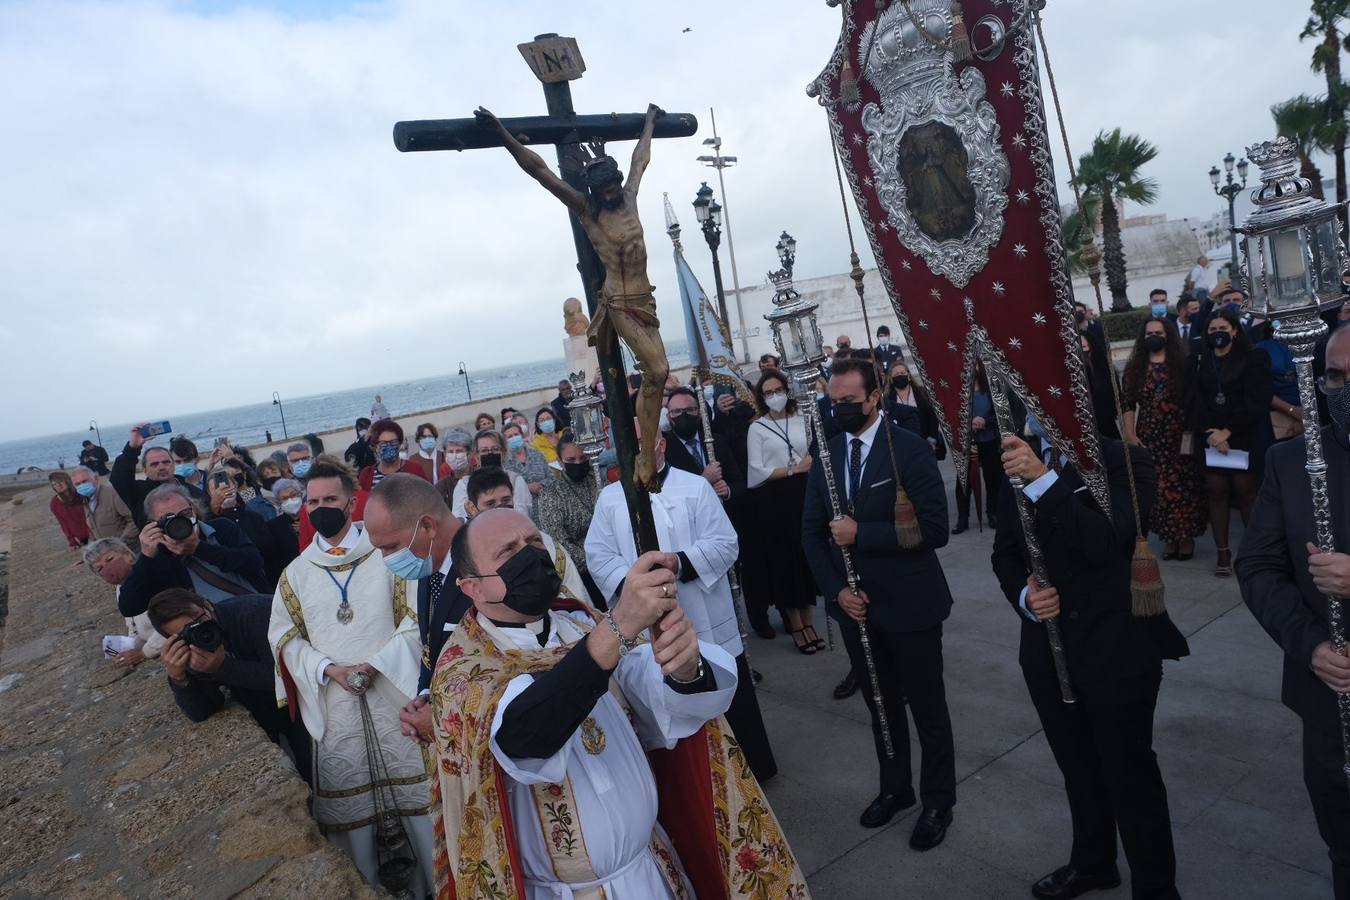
point(1324, 24)
point(1303, 120)
point(1107, 172)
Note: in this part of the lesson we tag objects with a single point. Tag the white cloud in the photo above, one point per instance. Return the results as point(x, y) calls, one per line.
point(218, 183)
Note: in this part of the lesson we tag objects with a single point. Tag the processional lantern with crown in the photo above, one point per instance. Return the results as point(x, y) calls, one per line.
point(796, 335)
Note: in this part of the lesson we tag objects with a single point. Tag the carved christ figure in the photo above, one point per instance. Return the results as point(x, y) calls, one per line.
point(608, 213)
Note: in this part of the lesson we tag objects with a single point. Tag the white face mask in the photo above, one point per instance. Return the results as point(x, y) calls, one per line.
point(291, 507)
point(665, 419)
point(458, 460)
point(776, 402)
point(883, 343)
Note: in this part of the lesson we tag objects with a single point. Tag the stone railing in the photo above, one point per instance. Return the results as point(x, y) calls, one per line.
point(106, 789)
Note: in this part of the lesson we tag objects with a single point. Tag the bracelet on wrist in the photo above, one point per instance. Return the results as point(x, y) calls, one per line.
point(698, 675)
point(625, 644)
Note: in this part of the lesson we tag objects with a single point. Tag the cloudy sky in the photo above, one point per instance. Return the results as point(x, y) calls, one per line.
point(202, 202)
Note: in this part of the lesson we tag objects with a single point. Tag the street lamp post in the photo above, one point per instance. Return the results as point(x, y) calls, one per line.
point(276, 401)
point(93, 426)
point(1229, 190)
point(709, 214)
point(720, 162)
point(464, 370)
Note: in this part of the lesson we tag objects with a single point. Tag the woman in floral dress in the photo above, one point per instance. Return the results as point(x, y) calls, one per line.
point(1154, 378)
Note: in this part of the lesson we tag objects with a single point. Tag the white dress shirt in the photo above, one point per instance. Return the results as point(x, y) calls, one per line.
point(868, 437)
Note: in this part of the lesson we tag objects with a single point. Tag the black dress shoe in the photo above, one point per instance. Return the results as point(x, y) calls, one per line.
point(1066, 882)
point(766, 631)
point(931, 828)
point(847, 687)
point(961, 526)
point(884, 808)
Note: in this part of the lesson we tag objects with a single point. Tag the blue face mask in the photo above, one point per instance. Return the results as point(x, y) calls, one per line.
point(407, 565)
point(185, 470)
point(300, 468)
point(1158, 309)
point(547, 426)
point(427, 443)
point(85, 489)
point(515, 442)
point(388, 452)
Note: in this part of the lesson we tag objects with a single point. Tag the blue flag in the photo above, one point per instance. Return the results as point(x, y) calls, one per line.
point(710, 351)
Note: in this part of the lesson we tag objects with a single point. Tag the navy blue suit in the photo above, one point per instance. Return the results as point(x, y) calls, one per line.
point(908, 594)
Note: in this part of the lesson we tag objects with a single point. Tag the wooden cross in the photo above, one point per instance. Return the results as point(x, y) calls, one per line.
point(556, 61)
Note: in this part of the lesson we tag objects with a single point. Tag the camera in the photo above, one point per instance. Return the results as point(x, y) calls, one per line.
point(205, 634)
point(177, 526)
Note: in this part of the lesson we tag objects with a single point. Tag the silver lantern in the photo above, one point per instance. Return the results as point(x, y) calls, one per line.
point(588, 421)
point(1295, 261)
point(796, 336)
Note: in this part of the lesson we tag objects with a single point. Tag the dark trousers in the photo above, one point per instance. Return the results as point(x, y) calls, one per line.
point(748, 725)
point(909, 665)
point(1322, 760)
point(1104, 747)
point(991, 469)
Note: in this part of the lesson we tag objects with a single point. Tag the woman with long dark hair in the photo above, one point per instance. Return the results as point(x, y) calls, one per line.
point(1228, 391)
point(778, 461)
point(68, 508)
point(1154, 419)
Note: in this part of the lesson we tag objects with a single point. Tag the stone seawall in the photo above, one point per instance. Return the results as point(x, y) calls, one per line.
point(106, 789)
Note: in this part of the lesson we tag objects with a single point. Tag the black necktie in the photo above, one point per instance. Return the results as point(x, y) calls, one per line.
point(697, 452)
point(854, 470)
point(437, 583)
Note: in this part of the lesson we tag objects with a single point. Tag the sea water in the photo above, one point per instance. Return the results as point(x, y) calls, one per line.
point(248, 425)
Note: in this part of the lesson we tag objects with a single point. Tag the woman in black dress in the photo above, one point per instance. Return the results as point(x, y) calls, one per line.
point(1228, 391)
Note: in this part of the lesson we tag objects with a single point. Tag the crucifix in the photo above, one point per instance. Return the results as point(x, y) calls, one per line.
point(611, 252)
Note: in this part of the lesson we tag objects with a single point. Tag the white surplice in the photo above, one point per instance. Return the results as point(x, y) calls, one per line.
point(305, 634)
point(690, 519)
point(615, 792)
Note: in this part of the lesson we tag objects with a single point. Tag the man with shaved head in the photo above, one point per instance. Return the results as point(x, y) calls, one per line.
point(546, 710)
point(1286, 580)
point(409, 523)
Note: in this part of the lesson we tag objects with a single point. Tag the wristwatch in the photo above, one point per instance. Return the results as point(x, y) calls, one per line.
point(624, 644)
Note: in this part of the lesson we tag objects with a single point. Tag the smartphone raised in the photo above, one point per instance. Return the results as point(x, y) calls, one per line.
point(154, 429)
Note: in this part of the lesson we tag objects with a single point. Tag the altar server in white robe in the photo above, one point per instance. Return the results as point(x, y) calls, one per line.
point(580, 791)
point(338, 611)
point(691, 523)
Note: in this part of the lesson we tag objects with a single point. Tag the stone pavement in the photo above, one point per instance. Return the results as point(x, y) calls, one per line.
point(1229, 752)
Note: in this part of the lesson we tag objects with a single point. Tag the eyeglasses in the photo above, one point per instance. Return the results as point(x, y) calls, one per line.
point(683, 413)
point(382, 444)
point(1331, 382)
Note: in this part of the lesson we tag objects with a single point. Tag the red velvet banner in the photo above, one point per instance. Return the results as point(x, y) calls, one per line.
point(950, 167)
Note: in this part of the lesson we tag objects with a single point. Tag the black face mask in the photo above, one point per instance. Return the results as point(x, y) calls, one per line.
point(1219, 339)
point(1338, 406)
point(1154, 342)
point(577, 471)
point(490, 460)
point(270, 480)
point(532, 583)
point(900, 381)
point(1079, 316)
point(684, 426)
point(328, 520)
point(849, 415)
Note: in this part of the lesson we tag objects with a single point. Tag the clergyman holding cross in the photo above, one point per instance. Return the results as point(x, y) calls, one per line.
point(608, 213)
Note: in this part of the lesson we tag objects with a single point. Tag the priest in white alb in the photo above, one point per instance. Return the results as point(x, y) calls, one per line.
point(344, 635)
point(692, 524)
point(575, 760)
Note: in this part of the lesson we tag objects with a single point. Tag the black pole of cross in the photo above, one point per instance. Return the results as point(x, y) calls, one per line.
point(555, 61)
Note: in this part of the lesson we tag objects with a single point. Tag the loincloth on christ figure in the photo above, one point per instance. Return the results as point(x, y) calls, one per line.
point(640, 308)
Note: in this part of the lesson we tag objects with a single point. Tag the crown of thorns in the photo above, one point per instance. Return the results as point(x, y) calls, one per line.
point(601, 171)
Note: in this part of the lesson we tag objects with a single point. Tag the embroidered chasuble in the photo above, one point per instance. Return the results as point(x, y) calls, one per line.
point(312, 626)
point(649, 798)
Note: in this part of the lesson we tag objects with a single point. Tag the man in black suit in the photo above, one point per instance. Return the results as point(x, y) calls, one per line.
point(685, 448)
point(1285, 581)
point(408, 522)
point(1103, 742)
point(1188, 319)
point(903, 597)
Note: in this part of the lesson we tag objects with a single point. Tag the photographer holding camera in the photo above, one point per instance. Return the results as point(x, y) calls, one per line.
point(210, 646)
point(179, 550)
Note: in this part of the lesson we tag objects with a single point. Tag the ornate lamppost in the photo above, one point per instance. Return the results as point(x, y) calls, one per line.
point(787, 251)
point(464, 371)
point(93, 426)
point(709, 214)
point(1295, 260)
point(1229, 190)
